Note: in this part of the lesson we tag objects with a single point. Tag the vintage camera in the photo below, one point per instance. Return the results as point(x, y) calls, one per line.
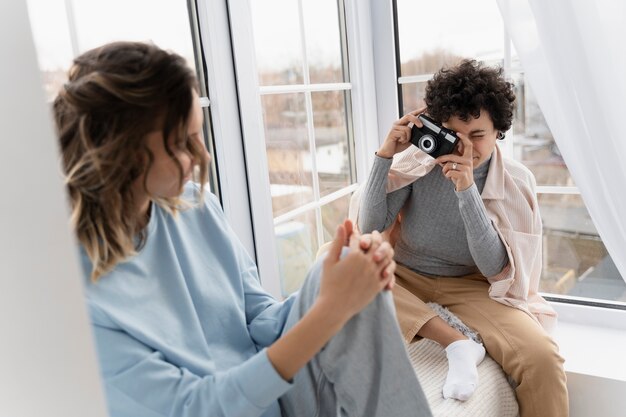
point(433, 139)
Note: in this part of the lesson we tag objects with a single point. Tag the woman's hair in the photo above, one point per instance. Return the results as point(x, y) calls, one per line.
point(117, 94)
point(468, 87)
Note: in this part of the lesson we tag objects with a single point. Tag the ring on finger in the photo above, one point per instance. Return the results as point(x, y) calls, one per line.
point(454, 165)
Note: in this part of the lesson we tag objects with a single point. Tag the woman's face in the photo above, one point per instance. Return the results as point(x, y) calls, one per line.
point(480, 131)
point(163, 177)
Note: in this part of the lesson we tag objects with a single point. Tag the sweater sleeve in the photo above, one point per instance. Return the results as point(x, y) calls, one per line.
point(485, 245)
point(265, 315)
point(378, 210)
point(142, 382)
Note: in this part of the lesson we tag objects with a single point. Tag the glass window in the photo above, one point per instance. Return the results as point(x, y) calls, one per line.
point(334, 214)
point(306, 98)
point(430, 37)
point(436, 33)
point(413, 96)
point(163, 22)
point(533, 143)
point(63, 28)
point(332, 144)
point(323, 41)
point(297, 245)
point(51, 33)
point(575, 261)
point(279, 49)
point(288, 151)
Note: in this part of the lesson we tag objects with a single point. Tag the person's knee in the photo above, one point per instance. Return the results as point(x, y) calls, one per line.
point(311, 283)
point(543, 359)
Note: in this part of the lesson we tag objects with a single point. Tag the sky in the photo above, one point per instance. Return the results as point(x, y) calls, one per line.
point(165, 22)
point(427, 25)
point(276, 26)
point(278, 35)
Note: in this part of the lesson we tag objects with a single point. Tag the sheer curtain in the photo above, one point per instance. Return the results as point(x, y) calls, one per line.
point(574, 57)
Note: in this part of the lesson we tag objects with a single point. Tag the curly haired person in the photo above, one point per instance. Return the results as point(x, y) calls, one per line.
point(467, 235)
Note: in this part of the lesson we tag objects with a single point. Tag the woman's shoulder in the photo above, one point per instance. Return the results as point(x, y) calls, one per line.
point(203, 210)
point(519, 172)
point(191, 194)
point(198, 200)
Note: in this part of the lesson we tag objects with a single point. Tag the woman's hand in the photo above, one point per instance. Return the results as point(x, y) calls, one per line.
point(350, 283)
point(383, 253)
point(347, 286)
point(459, 165)
point(384, 250)
point(398, 138)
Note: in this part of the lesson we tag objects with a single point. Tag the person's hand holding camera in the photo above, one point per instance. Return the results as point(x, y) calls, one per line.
point(398, 138)
point(459, 165)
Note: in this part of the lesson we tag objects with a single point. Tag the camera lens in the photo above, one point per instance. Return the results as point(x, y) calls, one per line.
point(426, 143)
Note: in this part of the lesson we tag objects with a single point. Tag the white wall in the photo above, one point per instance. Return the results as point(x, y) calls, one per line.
point(47, 358)
point(595, 396)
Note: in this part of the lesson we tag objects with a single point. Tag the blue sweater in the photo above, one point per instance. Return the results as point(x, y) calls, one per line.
point(181, 328)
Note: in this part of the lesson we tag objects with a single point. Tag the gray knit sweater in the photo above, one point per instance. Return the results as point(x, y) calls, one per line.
point(443, 232)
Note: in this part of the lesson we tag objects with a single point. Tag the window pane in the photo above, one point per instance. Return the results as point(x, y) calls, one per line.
point(48, 22)
point(576, 261)
point(163, 22)
point(429, 62)
point(435, 33)
point(413, 96)
point(515, 62)
point(533, 143)
point(276, 26)
point(99, 22)
point(309, 134)
point(323, 43)
point(333, 214)
point(331, 141)
point(297, 246)
point(288, 151)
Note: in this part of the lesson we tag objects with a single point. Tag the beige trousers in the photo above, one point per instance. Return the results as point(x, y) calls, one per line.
point(511, 337)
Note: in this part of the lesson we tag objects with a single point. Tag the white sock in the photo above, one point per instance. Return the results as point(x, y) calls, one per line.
point(463, 358)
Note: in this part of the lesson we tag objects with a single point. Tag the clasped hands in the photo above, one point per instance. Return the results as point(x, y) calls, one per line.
point(381, 250)
point(350, 282)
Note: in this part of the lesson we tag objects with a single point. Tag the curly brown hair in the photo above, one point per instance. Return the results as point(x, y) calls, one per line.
point(115, 96)
point(465, 89)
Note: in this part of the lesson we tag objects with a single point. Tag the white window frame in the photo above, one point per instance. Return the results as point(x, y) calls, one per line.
point(243, 169)
point(363, 97)
point(226, 124)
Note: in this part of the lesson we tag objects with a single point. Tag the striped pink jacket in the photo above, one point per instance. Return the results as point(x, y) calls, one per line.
point(511, 202)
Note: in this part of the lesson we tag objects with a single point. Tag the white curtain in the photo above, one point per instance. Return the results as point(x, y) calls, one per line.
point(574, 55)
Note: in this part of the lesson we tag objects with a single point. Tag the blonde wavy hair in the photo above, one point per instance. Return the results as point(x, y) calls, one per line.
point(116, 94)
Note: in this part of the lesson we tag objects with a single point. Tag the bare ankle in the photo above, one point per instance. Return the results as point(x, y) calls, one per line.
point(441, 332)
